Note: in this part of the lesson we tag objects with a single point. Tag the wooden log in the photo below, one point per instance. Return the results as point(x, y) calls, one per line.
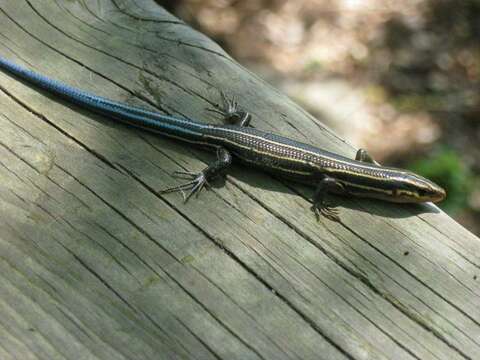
point(94, 264)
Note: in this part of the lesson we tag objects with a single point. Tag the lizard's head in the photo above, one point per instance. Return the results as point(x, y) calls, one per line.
point(413, 188)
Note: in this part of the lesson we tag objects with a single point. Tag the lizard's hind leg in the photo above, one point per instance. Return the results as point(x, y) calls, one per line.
point(231, 112)
point(199, 181)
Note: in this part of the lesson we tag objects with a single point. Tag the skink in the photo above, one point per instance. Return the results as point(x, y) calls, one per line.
point(326, 171)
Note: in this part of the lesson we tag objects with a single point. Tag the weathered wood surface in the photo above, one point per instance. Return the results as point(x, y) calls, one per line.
point(95, 265)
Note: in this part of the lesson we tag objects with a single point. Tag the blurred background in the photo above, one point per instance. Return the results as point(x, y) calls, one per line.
point(399, 78)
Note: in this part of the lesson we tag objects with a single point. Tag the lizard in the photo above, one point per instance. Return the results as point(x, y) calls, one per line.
point(234, 140)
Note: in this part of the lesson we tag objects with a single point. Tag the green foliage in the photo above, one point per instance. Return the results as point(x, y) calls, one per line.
point(413, 103)
point(313, 66)
point(445, 167)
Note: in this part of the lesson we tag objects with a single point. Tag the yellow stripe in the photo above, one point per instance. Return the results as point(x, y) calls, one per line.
point(335, 160)
point(366, 187)
point(296, 160)
point(283, 169)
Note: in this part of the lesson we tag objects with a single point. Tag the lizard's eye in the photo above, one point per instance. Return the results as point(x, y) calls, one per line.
point(422, 192)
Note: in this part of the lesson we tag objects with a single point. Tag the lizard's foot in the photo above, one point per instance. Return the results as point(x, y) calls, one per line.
point(229, 108)
point(321, 208)
point(193, 187)
point(200, 180)
point(231, 111)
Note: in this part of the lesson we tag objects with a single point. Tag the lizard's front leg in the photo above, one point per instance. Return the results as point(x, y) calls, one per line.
point(364, 156)
point(320, 207)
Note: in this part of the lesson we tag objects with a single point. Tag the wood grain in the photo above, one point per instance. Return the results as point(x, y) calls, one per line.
point(94, 264)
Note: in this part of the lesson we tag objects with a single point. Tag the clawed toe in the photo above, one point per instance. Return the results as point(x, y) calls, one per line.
point(230, 105)
point(229, 108)
point(200, 180)
point(185, 174)
point(193, 187)
point(217, 111)
point(328, 211)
